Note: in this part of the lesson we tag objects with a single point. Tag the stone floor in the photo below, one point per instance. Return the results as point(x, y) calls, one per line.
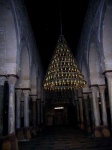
point(65, 138)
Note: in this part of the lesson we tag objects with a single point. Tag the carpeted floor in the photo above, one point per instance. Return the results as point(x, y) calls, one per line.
point(65, 138)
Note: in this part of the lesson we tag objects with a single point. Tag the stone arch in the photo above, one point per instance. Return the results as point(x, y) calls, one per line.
point(33, 79)
point(8, 41)
point(24, 73)
point(107, 36)
point(94, 66)
point(39, 84)
point(85, 74)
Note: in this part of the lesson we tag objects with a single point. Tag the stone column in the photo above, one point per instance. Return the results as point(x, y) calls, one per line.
point(109, 80)
point(92, 122)
point(26, 93)
point(81, 113)
point(94, 90)
point(86, 104)
point(105, 128)
point(95, 107)
point(18, 108)
point(103, 104)
point(76, 102)
point(42, 107)
point(97, 103)
point(2, 80)
point(34, 98)
point(11, 109)
point(38, 110)
point(78, 116)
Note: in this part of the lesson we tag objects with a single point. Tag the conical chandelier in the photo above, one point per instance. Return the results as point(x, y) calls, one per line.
point(63, 73)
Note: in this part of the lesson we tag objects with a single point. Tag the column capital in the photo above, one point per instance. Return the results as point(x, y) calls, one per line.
point(34, 97)
point(11, 78)
point(2, 79)
point(86, 90)
point(76, 97)
point(26, 91)
point(79, 93)
point(90, 94)
point(94, 88)
point(85, 95)
point(102, 88)
point(18, 91)
point(93, 85)
point(107, 73)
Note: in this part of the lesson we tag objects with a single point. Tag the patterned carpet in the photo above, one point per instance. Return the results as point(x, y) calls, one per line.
point(64, 138)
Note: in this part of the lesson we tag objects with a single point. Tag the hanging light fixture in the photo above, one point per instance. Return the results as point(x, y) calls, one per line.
point(63, 73)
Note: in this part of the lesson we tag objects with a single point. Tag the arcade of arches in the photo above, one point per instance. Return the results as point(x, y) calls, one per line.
point(24, 107)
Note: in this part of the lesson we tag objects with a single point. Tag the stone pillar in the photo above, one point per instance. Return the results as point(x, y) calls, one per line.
point(76, 102)
point(97, 103)
point(81, 113)
point(109, 80)
point(38, 110)
point(2, 80)
point(34, 98)
point(94, 90)
point(18, 108)
point(78, 115)
point(26, 93)
point(11, 109)
point(105, 129)
point(103, 105)
point(91, 111)
point(42, 106)
point(42, 109)
point(86, 104)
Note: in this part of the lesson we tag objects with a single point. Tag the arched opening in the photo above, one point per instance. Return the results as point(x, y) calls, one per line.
point(33, 85)
point(107, 36)
point(24, 77)
point(24, 68)
point(96, 77)
point(94, 66)
point(107, 50)
point(8, 51)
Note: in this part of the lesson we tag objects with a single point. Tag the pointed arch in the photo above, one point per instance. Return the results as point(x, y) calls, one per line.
point(107, 36)
point(85, 74)
point(33, 79)
point(24, 74)
point(8, 41)
point(94, 66)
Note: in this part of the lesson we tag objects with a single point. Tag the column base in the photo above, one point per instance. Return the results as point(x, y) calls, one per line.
point(97, 132)
point(82, 125)
point(105, 131)
point(20, 134)
point(9, 142)
point(33, 131)
point(101, 131)
point(88, 129)
point(24, 134)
